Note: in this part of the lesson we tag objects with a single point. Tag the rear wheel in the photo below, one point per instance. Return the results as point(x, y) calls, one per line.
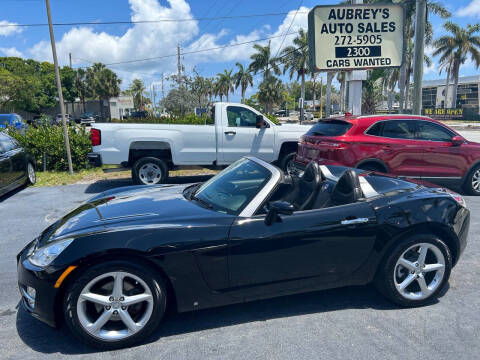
point(415, 271)
point(472, 183)
point(31, 175)
point(286, 161)
point(149, 171)
point(115, 304)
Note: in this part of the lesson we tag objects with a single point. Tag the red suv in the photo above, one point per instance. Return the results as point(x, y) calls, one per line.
point(402, 145)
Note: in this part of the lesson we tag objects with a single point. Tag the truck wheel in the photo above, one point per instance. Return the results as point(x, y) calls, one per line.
point(286, 161)
point(149, 171)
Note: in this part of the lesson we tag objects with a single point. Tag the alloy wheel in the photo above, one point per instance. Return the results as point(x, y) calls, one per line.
point(476, 181)
point(150, 174)
point(32, 177)
point(419, 271)
point(114, 306)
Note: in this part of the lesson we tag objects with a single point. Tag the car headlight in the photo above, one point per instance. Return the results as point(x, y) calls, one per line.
point(45, 255)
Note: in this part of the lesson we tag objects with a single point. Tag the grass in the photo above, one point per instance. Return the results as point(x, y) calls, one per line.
point(88, 176)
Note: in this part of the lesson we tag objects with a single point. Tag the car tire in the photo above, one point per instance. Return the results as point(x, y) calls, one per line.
point(372, 167)
point(31, 175)
point(111, 335)
point(149, 171)
point(472, 183)
point(286, 160)
point(392, 274)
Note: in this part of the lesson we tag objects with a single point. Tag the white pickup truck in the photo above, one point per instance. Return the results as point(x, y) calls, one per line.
point(231, 131)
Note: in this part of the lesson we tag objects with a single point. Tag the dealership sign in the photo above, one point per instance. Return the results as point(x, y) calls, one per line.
point(356, 37)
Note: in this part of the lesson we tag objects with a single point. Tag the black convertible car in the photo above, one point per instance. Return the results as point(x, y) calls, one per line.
point(110, 267)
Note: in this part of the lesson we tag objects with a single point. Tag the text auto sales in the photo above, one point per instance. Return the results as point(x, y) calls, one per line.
point(365, 34)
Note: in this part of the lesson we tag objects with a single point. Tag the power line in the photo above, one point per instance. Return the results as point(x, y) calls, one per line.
point(146, 21)
point(191, 52)
point(279, 58)
point(291, 23)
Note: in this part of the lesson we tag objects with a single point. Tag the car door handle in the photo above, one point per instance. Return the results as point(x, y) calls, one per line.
point(354, 221)
point(230, 132)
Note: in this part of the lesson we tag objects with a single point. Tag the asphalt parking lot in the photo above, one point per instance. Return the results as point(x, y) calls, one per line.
point(347, 323)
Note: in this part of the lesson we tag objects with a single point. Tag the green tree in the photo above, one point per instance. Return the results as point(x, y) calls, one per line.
point(242, 78)
point(104, 83)
point(137, 89)
point(262, 61)
point(224, 84)
point(296, 60)
point(11, 89)
point(270, 92)
point(459, 43)
point(82, 87)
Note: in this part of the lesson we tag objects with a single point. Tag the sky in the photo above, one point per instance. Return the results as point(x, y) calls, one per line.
point(116, 43)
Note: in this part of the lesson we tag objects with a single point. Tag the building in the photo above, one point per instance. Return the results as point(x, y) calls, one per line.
point(121, 106)
point(467, 101)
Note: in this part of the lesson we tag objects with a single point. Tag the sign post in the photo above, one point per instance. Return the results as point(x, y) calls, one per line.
point(356, 37)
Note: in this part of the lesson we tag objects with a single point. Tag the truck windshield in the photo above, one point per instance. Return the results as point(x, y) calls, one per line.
point(232, 190)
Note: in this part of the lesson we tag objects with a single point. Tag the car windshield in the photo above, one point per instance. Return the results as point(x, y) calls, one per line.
point(232, 190)
point(329, 128)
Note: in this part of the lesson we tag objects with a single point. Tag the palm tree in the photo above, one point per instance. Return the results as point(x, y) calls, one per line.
point(224, 84)
point(262, 61)
point(80, 83)
point(388, 82)
point(461, 43)
point(295, 58)
point(243, 78)
point(270, 92)
point(210, 88)
point(446, 65)
point(137, 88)
point(104, 84)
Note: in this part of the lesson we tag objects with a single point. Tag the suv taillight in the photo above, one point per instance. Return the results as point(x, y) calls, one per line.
point(96, 137)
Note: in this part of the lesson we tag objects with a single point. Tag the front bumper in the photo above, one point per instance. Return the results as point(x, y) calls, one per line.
point(95, 159)
point(45, 294)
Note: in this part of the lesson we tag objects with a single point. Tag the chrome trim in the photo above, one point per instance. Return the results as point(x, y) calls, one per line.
point(258, 200)
point(354, 221)
point(386, 137)
point(326, 172)
point(367, 189)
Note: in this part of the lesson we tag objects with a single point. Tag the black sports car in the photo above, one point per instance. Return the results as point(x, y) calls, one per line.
point(16, 165)
point(110, 267)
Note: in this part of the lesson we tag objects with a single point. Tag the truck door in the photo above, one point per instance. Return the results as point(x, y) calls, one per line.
point(240, 136)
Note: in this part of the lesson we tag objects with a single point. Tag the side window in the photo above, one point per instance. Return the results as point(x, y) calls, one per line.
point(399, 129)
point(376, 129)
point(241, 117)
point(429, 131)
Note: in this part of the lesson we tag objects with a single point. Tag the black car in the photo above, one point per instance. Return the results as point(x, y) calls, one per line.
point(110, 267)
point(16, 165)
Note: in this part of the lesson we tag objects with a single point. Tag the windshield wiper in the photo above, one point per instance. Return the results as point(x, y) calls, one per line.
point(202, 202)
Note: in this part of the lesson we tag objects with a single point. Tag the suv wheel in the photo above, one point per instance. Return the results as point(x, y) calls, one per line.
point(472, 183)
point(149, 171)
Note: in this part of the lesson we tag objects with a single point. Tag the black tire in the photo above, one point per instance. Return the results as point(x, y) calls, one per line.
point(372, 167)
point(285, 159)
point(468, 185)
point(149, 276)
point(31, 178)
point(154, 162)
point(384, 279)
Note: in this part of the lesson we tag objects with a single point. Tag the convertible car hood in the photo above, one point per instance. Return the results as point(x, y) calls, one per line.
point(130, 206)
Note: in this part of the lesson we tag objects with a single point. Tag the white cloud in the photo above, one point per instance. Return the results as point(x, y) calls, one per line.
point(10, 52)
point(471, 10)
point(7, 28)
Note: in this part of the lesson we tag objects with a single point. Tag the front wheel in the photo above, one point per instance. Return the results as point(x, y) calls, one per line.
point(114, 305)
point(31, 175)
point(415, 271)
point(149, 171)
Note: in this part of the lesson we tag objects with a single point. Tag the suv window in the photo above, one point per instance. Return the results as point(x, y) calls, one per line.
point(241, 117)
point(329, 128)
point(399, 129)
point(376, 129)
point(430, 131)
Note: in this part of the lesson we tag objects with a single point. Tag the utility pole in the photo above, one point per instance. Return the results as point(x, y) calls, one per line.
point(154, 100)
point(70, 58)
point(59, 87)
point(421, 9)
point(179, 66)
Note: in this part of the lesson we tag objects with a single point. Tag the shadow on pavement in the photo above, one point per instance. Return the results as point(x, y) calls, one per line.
point(12, 193)
point(42, 338)
point(104, 185)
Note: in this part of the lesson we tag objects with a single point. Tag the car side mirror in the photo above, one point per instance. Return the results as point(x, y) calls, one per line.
point(260, 123)
point(278, 208)
point(457, 140)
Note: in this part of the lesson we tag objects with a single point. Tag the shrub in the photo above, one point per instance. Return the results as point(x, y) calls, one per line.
point(189, 119)
point(272, 118)
point(49, 140)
